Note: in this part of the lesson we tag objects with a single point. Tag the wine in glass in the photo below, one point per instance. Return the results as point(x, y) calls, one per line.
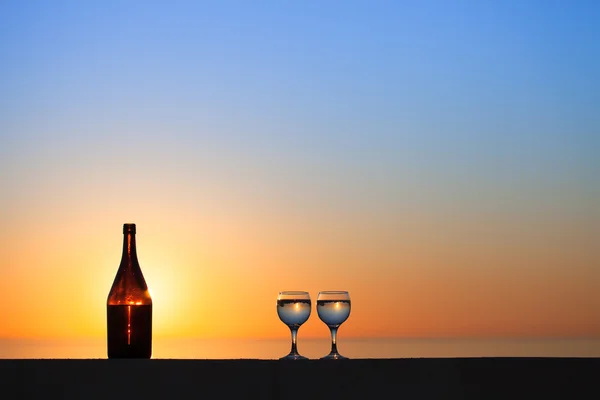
point(293, 308)
point(333, 308)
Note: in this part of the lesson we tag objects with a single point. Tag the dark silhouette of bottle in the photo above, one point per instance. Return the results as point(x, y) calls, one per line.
point(129, 306)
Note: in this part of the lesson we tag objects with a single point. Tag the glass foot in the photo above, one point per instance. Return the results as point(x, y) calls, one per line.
point(294, 356)
point(334, 356)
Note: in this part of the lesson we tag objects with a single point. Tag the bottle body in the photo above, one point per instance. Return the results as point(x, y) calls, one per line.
point(129, 331)
point(129, 306)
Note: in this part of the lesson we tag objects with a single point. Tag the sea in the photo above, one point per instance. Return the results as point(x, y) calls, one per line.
point(271, 349)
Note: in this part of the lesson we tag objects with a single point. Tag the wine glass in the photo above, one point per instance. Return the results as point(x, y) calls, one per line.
point(293, 308)
point(333, 308)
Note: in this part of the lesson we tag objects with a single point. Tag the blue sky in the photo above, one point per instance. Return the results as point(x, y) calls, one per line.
point(449, 104)
point(437, 91)
point(430, 93)
point(405, 72)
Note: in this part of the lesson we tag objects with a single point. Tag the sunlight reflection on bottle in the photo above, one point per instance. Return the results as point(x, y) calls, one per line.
point(128, 325)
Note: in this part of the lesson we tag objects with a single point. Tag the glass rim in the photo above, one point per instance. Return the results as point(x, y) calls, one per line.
point(333, 292)
point(292, 292)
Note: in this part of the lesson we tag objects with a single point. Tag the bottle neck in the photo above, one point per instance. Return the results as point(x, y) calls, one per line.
point(129, 249)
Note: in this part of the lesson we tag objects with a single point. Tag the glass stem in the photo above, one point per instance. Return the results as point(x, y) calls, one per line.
point(294, 335)
point(334, 340)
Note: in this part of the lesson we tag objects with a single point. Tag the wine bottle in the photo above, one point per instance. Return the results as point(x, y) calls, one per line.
point(129, 306)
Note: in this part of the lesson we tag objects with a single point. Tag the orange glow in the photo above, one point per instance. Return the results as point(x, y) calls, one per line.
point(211, 279)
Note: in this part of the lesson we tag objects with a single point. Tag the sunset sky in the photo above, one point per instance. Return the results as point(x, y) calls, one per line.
point(439, 160)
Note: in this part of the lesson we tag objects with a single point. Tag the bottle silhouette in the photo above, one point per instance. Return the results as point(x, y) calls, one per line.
point(129, 306)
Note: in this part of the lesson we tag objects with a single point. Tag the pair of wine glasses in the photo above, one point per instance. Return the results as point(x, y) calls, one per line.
point(333, 307)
